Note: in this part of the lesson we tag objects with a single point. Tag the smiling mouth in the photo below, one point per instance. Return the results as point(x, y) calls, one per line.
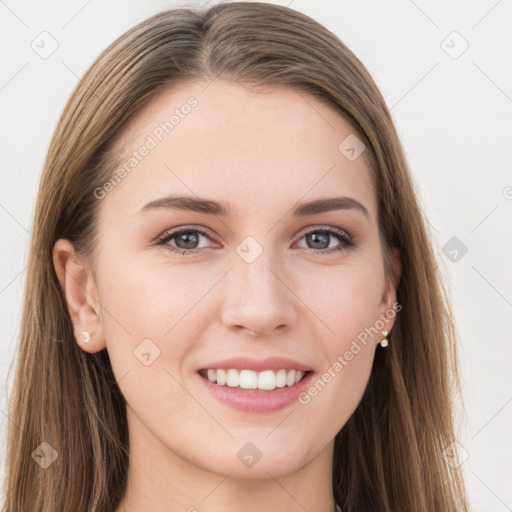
point(266, 380)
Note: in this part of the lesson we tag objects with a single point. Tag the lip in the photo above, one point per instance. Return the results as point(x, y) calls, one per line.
point(257, 400)
point(270, 363)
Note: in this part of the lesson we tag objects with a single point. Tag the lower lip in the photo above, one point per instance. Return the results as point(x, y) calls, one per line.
point(257, 400)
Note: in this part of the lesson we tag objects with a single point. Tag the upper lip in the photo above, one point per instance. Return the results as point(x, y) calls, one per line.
point(257, 365)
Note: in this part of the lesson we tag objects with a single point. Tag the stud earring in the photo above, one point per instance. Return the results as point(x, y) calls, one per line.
point(87, 336)
point(384, 342)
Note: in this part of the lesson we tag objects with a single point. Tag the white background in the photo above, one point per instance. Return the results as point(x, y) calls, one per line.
point(453, 115)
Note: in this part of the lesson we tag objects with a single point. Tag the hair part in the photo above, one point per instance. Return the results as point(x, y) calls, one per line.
point(388, 456)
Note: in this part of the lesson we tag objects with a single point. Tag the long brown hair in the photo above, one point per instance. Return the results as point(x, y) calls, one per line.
point(389, 455)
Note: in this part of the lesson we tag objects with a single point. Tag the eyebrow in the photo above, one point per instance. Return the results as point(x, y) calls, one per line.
point(201, 205)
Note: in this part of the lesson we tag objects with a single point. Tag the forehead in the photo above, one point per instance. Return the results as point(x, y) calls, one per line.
point(271, 146)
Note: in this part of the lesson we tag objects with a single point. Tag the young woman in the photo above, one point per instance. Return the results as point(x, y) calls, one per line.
point(232, 299)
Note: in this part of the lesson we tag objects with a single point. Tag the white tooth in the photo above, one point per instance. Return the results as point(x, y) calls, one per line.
point(290, 378)
point(281, 379)
point(267, 380)
point(248, 379)
point(233, 378)
point(221, 377)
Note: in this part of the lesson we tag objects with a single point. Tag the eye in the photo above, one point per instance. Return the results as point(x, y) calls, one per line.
point(187, 240)
point(321, 238)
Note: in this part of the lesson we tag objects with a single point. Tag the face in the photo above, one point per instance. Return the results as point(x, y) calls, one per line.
point(183, 288)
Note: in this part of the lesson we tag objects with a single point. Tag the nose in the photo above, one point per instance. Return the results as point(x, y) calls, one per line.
point(258, 298)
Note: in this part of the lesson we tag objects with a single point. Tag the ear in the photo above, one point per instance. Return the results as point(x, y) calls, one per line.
point(388, 307)
point(79, 289)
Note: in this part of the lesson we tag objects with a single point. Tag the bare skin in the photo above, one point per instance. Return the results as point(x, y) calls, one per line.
point(263, 153)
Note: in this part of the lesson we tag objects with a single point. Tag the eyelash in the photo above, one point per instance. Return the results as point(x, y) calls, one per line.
point(347, 242)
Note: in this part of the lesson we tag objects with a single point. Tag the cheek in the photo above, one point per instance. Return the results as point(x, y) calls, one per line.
point(149, 319)
point(348, 307)
point(334, 394)
point(348, 355)
point(151, 316)
point(149, 300)
point(347, 304)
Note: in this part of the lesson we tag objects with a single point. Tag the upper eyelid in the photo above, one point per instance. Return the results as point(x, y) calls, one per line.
point(171, 233)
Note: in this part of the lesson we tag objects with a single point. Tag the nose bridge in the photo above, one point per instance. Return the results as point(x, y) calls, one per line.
point(258, 299)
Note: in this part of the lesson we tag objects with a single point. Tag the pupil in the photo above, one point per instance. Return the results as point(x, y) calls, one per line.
point(187, 237)
point(323, 237)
